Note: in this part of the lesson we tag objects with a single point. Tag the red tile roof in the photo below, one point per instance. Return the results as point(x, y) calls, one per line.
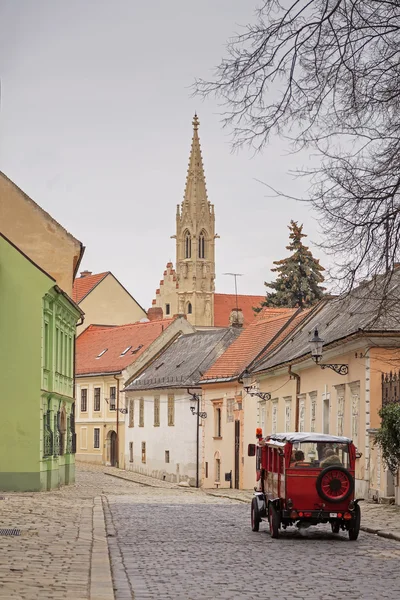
point(225, 303)
point(96, 338)
point(84, 285)
point(250, 343)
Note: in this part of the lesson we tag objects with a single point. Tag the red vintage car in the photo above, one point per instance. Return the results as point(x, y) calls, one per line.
point(305, 479)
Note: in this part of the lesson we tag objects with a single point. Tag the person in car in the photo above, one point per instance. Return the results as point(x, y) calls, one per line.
point(330, 458)
point(297, 457)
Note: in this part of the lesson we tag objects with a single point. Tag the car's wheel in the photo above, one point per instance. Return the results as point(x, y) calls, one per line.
point(335, 527)
point(273, 521)
point(354, 528)
point(255, 516)
point(334, 484)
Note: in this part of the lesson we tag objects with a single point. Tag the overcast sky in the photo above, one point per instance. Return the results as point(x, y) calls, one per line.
point(95, 126)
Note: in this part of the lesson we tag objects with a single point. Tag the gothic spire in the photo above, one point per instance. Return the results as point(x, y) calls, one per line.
point(195, 189)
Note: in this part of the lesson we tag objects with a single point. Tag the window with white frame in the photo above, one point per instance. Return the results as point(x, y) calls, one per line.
point(302, 412)
point(96, 404)
point(313, 410)
point(96, 437)
point(340, 390)
point(84, 400)
point(113, 396)
point(288, 413)
point(355, 412)
point(262, 408)
point(230, 405)
point(274, 415)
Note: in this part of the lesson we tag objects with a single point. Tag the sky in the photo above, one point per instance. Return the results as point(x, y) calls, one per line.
point(95, 126)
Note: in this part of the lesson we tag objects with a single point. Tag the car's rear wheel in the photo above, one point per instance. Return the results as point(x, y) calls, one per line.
point(273, 521)
point(334, 484)
point(255, 516)
point(354, 528)
point(335, 527)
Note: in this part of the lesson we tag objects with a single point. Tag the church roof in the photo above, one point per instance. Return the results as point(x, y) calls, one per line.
point(110, 349)
point(225, 303)
point(195, 188)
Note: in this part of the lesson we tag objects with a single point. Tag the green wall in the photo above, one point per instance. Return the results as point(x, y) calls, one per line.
point(22, 287)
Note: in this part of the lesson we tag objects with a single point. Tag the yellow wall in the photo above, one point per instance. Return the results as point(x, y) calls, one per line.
point(34, 231)
point(110, 304)
point(105, 420)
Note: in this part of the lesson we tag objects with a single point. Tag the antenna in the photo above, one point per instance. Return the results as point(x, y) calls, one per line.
point(235, 275)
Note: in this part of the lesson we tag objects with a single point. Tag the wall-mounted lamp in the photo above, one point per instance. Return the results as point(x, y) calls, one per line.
point(316, 344)
point(251, 389)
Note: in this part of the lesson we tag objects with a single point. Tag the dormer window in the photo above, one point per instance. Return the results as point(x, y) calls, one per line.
point(202, 245)
point(188, 245)
point(101, 353)
point(125, 351)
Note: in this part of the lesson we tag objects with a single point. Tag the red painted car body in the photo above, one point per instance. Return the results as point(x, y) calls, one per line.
point(305, 479)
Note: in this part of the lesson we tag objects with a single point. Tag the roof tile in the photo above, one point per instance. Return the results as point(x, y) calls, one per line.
point(84, 285)
point(225, 303)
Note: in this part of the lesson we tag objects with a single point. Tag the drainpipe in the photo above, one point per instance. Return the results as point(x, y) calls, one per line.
point(296, 376)
point(117, 424)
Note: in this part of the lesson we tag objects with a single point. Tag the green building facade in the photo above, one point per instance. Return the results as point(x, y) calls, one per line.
point(37, 345)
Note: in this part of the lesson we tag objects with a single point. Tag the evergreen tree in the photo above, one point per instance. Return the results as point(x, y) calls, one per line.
point(299, 275)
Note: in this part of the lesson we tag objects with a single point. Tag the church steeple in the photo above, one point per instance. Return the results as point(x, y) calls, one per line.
point(195, 240)
point(195, 189)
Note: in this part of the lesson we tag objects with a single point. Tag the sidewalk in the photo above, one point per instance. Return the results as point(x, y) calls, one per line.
point(378, 519)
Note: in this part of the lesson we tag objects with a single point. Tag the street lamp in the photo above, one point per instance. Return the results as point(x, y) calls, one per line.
point(316, 344)
point(195, 410)
point(251, 389)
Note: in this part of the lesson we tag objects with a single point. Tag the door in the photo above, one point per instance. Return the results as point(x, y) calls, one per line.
point(113, 448)
point(237, 457)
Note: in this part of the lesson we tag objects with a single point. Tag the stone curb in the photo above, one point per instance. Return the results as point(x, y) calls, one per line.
point(372, 530)
point(101, 587)
point(152, 485)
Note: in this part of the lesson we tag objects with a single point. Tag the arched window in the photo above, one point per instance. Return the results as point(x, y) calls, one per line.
point(202, 245)
point(188, 245)
point(189, 309)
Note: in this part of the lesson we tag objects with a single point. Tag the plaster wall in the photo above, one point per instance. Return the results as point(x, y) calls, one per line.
point(110, 304)
point(179, 440)
point(38, 235)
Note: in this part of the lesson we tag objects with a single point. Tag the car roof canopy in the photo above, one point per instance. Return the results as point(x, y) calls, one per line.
point(308, 437)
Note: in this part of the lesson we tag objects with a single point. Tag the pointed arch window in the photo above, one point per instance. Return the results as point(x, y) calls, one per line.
point(188, 245)
point(202, 245)
point(189, 309)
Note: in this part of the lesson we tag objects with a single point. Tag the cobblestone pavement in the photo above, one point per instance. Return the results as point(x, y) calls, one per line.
point(182, 547)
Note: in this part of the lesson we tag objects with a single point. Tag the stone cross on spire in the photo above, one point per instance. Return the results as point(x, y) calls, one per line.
point(195, 189)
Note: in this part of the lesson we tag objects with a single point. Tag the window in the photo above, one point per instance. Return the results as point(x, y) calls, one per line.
point(230, 405)
point(288, 413)
point(167, 456)
point(274, 416)
point(218, 422)
point(84, 400)
point(202, 245)
point(131, 412)
point(206, 470)
point(131, 452)
point(113, 395)
point(302, 412)
point(141, 412)
point(189, 309)
point(143, 452)
point(326, 412)
point(83, 437)
point(96, 406)
point(218, 469)
point(171, 411)
point(96, 439)
point(262, 413)
point(188, 245)
point(313, 400)
point(101, 353)
point(156, 411)
point(167, 309)
point(125, 351)
point(355, 412)
point(340, 389)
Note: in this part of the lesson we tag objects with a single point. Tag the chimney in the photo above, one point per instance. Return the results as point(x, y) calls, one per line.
point(155, 313)
point(86, 273)
point(236, 318)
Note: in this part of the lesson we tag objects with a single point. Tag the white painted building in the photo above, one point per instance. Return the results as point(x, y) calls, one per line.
point(162, 438)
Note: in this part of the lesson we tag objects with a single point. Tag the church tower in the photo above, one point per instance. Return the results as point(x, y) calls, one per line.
point(195, 243)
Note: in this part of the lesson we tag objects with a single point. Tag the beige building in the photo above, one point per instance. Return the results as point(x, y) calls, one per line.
point(105, 301)
point(38, 235)
point(190, 288)
point(106, 356)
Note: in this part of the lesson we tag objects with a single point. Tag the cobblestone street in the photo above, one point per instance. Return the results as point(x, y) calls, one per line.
point(167, 542)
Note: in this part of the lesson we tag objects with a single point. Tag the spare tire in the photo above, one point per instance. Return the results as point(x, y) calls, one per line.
point(335, 484)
